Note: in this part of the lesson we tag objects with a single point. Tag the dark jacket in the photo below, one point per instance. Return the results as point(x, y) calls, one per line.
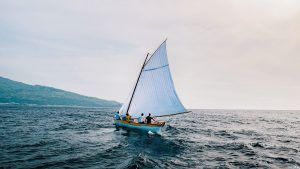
point(148, 119)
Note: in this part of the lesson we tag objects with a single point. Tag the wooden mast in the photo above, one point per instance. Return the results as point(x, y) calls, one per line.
point(137, 83)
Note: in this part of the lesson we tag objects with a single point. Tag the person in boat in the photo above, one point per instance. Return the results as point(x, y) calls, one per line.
point(149, 118)
point(123, 117)
point(141, 119)
point(117, 116)
point(128, 117)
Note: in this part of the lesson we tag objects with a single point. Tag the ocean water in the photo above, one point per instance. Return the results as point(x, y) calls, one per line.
point(61, 137)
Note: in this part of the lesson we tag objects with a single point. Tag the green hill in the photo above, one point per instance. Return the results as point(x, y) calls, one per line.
point(21, 93)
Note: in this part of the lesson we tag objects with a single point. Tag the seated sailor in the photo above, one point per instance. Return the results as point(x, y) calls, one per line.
point(123, 116)
point(128, 117)
point(141, 119)
point(149, 118)
point(117, 116)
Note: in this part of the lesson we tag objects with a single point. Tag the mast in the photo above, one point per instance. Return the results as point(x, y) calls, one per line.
point(137, 83)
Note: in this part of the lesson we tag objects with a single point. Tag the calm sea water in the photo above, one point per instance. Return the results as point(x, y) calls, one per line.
point(60, 137)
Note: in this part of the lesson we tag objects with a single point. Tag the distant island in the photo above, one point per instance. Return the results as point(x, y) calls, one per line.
point(13, 92)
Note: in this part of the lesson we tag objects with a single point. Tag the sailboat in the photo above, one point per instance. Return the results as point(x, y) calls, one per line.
point(153, 92)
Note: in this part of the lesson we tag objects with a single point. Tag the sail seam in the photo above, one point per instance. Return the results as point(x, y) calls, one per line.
point(156, 68)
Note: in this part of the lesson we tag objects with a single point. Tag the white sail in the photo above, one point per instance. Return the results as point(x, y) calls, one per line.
point(155, 92)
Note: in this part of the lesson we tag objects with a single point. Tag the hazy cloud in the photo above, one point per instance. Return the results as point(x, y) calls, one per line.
point(223, 54)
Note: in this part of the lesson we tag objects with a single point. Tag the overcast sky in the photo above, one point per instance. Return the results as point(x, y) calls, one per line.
point(222, 53)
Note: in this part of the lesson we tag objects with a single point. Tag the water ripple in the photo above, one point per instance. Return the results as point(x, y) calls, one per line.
point(64, 137)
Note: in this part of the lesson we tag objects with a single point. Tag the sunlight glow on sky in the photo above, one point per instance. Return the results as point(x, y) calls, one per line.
point(222, 54)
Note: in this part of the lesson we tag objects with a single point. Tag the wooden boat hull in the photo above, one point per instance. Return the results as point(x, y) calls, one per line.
point(154, 128)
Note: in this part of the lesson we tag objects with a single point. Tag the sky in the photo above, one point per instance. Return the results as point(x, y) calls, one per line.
point(223, 54)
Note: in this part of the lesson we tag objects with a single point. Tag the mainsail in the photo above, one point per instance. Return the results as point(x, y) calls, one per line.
point(154, 91)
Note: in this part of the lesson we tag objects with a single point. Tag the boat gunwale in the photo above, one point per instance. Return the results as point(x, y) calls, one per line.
point(161, 124)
